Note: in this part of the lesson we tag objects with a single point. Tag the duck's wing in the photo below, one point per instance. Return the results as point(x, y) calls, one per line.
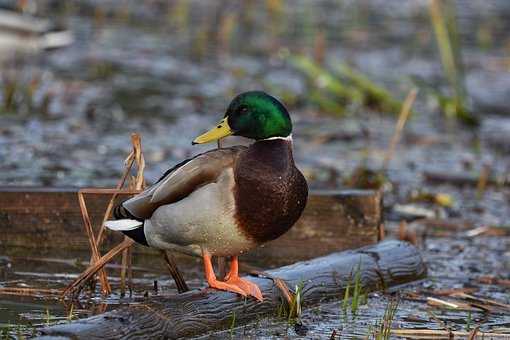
point(182, 180)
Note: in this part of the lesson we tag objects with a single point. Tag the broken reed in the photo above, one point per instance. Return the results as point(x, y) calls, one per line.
point(290, 309)
point(96, 262)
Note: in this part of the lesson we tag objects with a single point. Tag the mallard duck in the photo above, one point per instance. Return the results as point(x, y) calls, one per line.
point(225, 201)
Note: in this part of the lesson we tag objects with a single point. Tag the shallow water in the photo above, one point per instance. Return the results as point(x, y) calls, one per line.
point(150, 67)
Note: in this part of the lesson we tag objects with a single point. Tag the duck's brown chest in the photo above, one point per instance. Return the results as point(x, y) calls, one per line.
point(270, 192)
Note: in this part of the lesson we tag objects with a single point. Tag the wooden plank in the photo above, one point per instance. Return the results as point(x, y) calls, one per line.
point(48, 218)
point(193, 313)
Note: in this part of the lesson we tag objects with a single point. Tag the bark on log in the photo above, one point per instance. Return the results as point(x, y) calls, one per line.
point(383, 265)
point(48, 218)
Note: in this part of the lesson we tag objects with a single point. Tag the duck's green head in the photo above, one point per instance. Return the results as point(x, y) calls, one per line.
point(254, 115)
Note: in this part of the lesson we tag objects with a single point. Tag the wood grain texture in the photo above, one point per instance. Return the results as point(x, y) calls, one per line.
point(385, 264)
point(47, 218)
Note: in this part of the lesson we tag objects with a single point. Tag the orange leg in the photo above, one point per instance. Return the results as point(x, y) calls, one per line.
point(213, 282)
point(248, 287)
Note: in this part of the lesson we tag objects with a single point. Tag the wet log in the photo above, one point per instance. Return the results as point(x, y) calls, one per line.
point(384, 265)
point(48, 218)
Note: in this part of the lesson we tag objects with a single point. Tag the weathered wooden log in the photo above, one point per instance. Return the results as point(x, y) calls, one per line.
point(49, 218)
point(383, 265)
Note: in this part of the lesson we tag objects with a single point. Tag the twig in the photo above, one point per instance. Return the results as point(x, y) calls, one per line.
point(222, 266)
point(136, 183)
point(174, 271)
point(279, 283)
point(105, 286)
point(29, 291)
point(438, 320)
point(472, 334)
point(483, 301)
point(482, 180)
point(139, 182)
point(109, 191)
point(449, 292)
point(112, 199)
point(464, 179)
point(123, 271)
point(492, 280)
point(382, 232)
point(130, 269)
point(407, 234)
point(429, 333)
point(437, 302)
point(477, 231)
point(402, 119)
point(92, 270)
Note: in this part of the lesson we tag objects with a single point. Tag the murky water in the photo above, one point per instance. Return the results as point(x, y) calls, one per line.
point(168, 70)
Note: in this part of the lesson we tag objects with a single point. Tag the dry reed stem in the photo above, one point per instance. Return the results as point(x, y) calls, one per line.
point(483, 180)
point(130, 269)
point(92, 270)
point(123, 271)
point(108, 191)
point(402, 230)
point(492, 280)
point(139, 183)
point(319, 48)
point(110, 207)
point(381, 232)
point(279, 283)
point(112, 199)
point(472, 335)
point(29, 291)
point(407, 234)
point(453, 291)
point(174, 271)
point(438, 302)
point(103, 278)
point(439, 321)
point(402, 119)
point(439, 334)
point(136, 183)
point(482, 300)
point(135, 156)
point(222, 266)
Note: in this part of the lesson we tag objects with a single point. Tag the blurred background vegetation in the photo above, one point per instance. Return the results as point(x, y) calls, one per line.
point(78, 77)
point(167, 69)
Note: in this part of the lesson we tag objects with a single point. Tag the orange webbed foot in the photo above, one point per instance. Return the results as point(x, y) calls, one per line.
point(248, 287)
point(214, 283)
point(227, 286)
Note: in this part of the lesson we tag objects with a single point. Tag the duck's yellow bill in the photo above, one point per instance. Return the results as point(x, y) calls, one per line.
point(221, 130)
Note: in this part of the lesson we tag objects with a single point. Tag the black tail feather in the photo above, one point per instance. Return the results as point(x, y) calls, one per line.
point(137, 234)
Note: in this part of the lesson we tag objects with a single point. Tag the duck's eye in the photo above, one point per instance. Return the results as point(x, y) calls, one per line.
point(243, 109)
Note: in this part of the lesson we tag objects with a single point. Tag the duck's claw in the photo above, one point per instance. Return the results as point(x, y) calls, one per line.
point(227, 286)
point(248, 287)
